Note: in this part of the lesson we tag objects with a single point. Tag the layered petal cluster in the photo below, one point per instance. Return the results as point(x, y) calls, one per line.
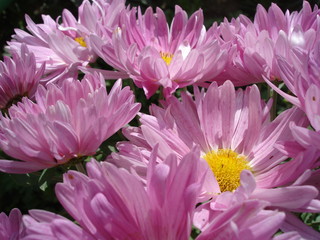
point(154, 54)
point(255, 45)
point(111, 203)
point(235, 135)
point(302, 78)
point(19, 77)
point(65, 123)
point(241, 221)
point(100, 17)
point(11, 227)
point(64, 47)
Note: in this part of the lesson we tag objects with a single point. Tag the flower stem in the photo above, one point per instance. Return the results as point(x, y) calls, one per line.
point(273, 111)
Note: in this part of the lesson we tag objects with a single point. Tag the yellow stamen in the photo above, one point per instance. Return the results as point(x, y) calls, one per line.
point(227, 166)
point(167, 57)
point(81, 41)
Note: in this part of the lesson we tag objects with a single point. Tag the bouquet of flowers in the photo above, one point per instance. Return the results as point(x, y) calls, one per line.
point(183, 131)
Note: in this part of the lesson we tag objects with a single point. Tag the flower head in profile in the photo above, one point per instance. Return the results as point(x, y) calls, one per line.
point(19, 77)
point(65, 123)
point(65, 46)
point(237, 142)
point(110, 203)
point(255, 45)
point(11, 226)
point(302, 78)
point(154, 54)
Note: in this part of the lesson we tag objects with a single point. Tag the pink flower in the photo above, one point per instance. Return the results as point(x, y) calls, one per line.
point(110, 203)
point(99, 17)
point(254, 46)
point(18, 77)
point(66, 123)
point(302, 79)
point(64, 47)
point(235, 136)
point(46, 225)
point(11, 227)
point(242, 221)
point(154, 54)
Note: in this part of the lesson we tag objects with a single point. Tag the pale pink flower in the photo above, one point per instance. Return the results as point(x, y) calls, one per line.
point(18, 77)
point(65, 123)
point(282, 198)
point(255, 45)
point(65, 47)
point(299, 76)
point(11, 227)
point(302, 78)
point(248, 220)
point(154, 54)
point(235, 135)
point(110, 203)
point(99, 17)
point(41, 224)
point(305, 145)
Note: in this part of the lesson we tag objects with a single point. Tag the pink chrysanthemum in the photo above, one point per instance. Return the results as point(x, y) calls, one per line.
point(46, 225)
point(99, 17)
point(11, 227)
point(110, 203)
point(302, 78)
point(64, 47)
point(255, 45)
point(242, 221)
point(18, 77)
point(235, 135)
point(64, 123)
point(155, 55)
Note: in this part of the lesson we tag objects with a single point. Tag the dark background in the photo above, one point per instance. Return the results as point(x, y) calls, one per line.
point(12, 11)
point(23, 190)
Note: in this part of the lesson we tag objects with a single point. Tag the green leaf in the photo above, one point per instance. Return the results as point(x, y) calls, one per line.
point(44, 186)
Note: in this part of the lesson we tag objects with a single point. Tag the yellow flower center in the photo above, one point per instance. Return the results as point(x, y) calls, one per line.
point(167, 57)
point(227, 166)
point(81, 41)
